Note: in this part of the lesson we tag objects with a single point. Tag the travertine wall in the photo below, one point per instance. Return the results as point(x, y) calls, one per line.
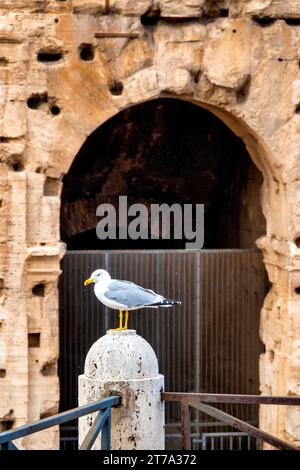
point(58, 82)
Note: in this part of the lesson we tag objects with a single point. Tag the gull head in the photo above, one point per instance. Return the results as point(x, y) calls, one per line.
point(97, 276)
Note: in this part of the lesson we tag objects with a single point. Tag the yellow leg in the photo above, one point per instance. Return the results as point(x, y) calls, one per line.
point(126, 320)
point(120, 322)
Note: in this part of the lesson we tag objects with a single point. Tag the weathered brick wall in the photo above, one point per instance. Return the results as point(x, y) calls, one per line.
point(58, 82)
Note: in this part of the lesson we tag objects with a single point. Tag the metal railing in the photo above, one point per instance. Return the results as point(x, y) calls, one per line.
point(197, 400)
point(202, 438)
point(225, 441)
point(101, 423)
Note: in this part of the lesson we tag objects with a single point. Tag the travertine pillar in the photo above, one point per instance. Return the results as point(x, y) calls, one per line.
point(123, 363)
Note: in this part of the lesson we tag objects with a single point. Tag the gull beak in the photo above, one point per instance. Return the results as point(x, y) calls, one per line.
point(88, 281)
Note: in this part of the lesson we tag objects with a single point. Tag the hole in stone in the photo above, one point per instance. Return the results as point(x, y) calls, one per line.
point(40, 170)
point(3, 61)
point(1, 285)
point(224, 13)
point(55, 110)
point(49, 368)
point(36, 100)
point(271, 355)
point(49, 56)
point(264, 21)
point(116, 88)
point(297, 290)
point(292, 21)
point(56, 20)
point(51, 187)
point(196, 75)
point(297, 108)
point(18, 166)
point(1, 203)
point(6, 424)
point(280, 59)
point(34, 340)
point(4, 140)
point(234, 31)
point(33, 103)
point(2, 373)
point(86, 52)
point(39, 290)
point(151, 17)
point(297, 242)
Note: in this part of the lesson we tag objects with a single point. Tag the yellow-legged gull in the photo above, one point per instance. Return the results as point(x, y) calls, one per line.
point(125, 295)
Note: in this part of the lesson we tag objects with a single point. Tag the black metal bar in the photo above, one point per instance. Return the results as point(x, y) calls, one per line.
point(59, 419)
point(98, 424)
point(227, 398)
point(244, 427)
point(185, 427)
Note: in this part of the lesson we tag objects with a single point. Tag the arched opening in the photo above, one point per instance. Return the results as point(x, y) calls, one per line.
point(169, 151)
point(164, 151)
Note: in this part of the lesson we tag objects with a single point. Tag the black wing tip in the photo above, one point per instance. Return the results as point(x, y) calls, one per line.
point(167, 302)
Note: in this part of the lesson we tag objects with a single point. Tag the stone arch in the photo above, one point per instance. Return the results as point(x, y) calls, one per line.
point(254, 141)
point(255, 144)
point(79, 203)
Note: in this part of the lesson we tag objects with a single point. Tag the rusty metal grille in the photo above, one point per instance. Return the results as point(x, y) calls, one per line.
point(208, 344)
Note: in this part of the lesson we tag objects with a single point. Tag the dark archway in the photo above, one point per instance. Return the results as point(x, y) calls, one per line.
point(164, 151)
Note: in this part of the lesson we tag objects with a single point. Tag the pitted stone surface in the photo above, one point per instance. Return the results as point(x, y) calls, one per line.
point(123, 363)
point(237, 58)
point(121, 355)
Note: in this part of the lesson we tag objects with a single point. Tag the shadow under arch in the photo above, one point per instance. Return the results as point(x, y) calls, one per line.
point(166, 151)
point(256, 145)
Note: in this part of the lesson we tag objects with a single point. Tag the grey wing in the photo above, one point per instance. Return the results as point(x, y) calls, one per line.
point(130, 294)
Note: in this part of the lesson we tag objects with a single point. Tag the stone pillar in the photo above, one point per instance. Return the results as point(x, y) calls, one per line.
point(123, 363)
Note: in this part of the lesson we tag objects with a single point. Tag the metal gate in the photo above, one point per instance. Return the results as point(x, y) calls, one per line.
point(208, 344)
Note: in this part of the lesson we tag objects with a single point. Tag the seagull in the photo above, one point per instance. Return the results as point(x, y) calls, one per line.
point(125, 295)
